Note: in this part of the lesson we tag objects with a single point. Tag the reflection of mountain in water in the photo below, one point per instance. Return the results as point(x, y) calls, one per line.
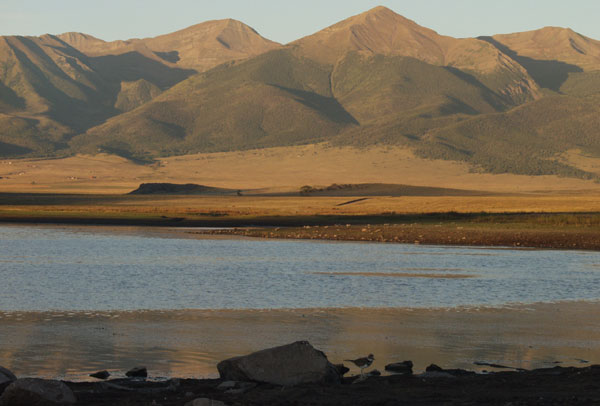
point(190, 343)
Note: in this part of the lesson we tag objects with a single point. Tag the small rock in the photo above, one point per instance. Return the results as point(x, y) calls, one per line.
point(205, 402)
point(453, 372)
point(137, 372)
point(100, 375)
point(226, 385)
point(242, 387)
point(374, 372)
point(433, 368)
point(436, 374)
point(342, 369)
point(33, 391)
point(360, 378)
point(404, 367)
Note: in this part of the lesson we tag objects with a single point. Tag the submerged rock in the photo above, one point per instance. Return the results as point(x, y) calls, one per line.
point(137, 372)
point(288, 365)
point(404, 367)
point(436, 371)
point(436, 374)
point(101, 375)
point(374, 372)
point(33, 391)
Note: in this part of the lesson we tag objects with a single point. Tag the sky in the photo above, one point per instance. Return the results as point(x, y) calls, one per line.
point(286, 20)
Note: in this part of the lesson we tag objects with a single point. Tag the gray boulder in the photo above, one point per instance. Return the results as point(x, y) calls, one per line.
point(6, 378)
point(288, 365)
point(37, 392)
point(6, 375)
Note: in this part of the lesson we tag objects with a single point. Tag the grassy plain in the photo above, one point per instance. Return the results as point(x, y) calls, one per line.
point(278, 170)
point(448, 201)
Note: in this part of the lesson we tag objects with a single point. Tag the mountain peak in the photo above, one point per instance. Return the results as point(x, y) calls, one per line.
point(200, 47)
point(380, 10)
point(377, 31)
point(554, 44)
point(381, 15)
point(80, 40)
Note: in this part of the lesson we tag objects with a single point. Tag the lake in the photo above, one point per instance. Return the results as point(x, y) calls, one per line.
point(74, 300)
point(95, 268)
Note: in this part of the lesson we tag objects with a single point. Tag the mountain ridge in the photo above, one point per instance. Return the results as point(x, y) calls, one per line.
point(200, 47)
point(376, 78)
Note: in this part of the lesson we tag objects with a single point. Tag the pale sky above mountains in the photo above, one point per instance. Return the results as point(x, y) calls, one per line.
point(285, 21)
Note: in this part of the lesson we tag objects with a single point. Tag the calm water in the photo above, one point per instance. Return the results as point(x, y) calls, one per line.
point(62, 268)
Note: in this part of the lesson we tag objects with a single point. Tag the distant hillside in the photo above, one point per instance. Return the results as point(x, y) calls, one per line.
point(179, 189)
point(134, 94)
point(274, 99)
point(527, 140)
point(510, 103)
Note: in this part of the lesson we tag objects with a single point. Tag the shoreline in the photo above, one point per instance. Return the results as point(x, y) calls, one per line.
point(192, 342)
point(509, 230)
point(585, 240)
point(512, 306)
point(557, 385)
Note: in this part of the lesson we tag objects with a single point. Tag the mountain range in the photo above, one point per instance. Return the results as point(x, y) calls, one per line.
point(514, 103)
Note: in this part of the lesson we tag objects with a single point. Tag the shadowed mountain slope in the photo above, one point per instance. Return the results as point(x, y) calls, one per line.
point(54, 87)
point(550, 55)
point(554, 44)
point(273, 99)
point(527, 140)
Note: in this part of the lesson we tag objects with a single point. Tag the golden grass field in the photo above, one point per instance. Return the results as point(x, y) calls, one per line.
point(275, 170)
point(86, 187)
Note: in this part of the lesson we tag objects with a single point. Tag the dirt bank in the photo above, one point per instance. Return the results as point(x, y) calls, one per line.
point(554, 386)
point(580, 238)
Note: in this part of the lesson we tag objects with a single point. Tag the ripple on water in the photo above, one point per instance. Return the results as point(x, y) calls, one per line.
point(61, 269)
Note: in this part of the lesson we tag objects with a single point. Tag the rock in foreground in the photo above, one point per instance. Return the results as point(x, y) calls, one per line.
point(101, 375)
point(288, 365)
point(404, 367)
point(205, 402)
point(6, 378)
point(37, 392)
point(137, 372)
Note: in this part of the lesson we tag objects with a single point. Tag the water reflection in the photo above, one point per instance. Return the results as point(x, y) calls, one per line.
point(190, 343)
